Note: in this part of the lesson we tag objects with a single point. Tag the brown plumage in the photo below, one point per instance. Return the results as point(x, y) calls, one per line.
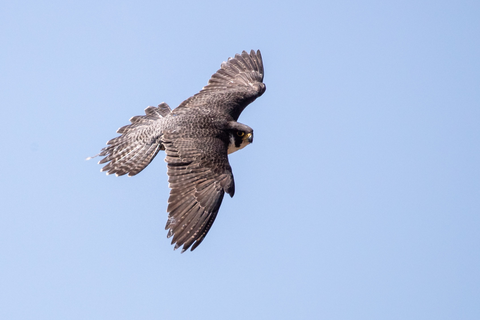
point(197, 137)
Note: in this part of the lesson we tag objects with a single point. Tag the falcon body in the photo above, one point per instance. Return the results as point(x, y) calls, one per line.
point(197, 137)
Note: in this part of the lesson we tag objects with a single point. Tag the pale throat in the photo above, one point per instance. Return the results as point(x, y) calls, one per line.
point(231, 146)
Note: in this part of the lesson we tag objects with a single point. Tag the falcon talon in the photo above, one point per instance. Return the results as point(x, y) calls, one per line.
point(197, 137)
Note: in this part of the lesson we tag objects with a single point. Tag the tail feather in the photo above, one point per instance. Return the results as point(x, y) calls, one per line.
point(138, 144)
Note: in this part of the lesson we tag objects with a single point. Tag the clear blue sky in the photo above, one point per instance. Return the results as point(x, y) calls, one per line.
point(359, 198)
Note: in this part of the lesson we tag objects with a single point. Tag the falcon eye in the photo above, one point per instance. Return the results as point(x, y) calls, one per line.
point(240, 133)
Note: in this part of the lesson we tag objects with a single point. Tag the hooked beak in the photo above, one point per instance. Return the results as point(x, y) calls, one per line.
point(250, 137)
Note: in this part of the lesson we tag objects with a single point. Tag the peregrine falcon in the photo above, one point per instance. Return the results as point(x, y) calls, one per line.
point(197, 137)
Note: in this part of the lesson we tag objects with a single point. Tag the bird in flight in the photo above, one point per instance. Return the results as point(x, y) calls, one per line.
point(197, 137)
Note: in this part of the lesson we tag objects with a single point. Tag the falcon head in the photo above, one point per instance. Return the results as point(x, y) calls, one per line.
point(239, 139)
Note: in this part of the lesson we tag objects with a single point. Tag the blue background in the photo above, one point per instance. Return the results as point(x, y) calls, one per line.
point(359, 199)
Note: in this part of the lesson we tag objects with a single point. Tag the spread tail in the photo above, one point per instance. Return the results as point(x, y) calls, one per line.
point(138, 144)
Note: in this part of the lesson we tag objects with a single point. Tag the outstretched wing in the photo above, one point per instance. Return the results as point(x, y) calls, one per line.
point(233, 87)
point(198, 179)
point(137, 145)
